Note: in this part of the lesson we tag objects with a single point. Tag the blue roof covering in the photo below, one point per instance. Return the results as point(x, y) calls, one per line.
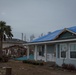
point(52, 36)
point(73, 29)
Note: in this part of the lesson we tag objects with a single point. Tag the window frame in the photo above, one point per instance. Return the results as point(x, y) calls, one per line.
point(40, 47)
point(70, 51)
point(65, 51)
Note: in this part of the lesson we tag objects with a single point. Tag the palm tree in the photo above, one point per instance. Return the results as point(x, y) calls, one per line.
point(5, 31)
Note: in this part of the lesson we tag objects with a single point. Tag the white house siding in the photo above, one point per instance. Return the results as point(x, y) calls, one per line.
point(68, 60)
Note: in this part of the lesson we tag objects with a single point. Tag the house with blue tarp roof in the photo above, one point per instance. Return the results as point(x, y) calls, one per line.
point(58, 46)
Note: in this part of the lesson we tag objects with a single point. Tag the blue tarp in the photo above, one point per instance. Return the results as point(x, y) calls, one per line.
point(51, 36)
point(48, 37)
point(73, 29)
point(31, 57)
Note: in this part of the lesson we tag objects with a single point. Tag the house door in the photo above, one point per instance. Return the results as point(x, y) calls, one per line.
point(51, 53)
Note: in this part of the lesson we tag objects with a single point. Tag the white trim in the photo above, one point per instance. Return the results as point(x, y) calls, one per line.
point(69, 52)
point(47, 42)
point(65, 51)
point(70, 31)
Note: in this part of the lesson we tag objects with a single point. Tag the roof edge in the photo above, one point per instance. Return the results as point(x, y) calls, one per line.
point(54, 41)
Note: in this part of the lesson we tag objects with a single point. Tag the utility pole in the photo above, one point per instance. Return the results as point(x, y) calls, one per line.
point(25, 37)
point(22, 36)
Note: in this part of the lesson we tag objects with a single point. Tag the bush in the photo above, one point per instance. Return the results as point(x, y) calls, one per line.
point(68, 66)
point(0, 59)
point(4, 59)
point(71, 67)
point(65, 66)
point(33, 62)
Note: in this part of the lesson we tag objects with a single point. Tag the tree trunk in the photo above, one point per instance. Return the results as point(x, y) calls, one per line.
point(1, 45)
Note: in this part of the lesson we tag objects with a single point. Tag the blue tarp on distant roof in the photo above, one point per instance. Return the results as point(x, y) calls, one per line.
point(52, 36)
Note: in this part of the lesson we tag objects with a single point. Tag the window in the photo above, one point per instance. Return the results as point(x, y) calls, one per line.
point(63, 49)
point(73, 50)
point(41, 50)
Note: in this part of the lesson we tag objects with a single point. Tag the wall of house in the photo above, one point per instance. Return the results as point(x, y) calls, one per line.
point(9, 44)
point(68, 60)
point(40, 57)
point(50, 53)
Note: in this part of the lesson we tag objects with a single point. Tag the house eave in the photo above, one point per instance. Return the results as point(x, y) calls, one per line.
point(47, 42)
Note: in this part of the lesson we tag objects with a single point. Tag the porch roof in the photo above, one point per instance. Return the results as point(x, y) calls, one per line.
point(50, 42)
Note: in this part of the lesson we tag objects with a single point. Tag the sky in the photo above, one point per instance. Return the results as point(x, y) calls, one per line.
point(37, 16)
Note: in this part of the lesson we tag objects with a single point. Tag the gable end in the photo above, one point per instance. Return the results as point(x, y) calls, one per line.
point(66, 35)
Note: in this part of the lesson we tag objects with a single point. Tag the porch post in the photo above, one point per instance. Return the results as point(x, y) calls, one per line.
point(56, 50)
point(45, 53)
point(35, 52)
point(27, 52)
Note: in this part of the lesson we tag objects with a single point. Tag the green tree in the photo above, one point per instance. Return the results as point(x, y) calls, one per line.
point(5, 32)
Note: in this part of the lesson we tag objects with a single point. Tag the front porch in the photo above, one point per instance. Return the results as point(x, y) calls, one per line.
point(44, 52)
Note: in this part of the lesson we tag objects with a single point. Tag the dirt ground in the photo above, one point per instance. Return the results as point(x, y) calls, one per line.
point(19, 68)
